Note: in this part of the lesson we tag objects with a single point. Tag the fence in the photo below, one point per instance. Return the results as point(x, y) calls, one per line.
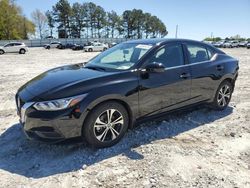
point(42, 42)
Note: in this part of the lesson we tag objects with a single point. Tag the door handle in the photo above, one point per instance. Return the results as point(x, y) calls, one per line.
point(185, 75)
point(219, 67)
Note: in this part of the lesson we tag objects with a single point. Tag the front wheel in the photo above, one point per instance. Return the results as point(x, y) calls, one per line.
point(223, 96)
point(1, 52)
point(106, 125)
point(22, 51)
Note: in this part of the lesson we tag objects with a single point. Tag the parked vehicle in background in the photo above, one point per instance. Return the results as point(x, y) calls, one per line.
point(231, 44)
point(49, 37)
point(248, 45)
point(208, 42)
point(67, 46)
point(219, 44)
point(95, 46)
point(129, 83)
point(14, 47)
point(113, 44)
point(243, 43)
point(77, 47)
point(52, 45)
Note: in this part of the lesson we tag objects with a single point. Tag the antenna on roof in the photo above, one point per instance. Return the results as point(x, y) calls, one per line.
point(176, 31)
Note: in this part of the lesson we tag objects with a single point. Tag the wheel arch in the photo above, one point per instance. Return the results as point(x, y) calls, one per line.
point(231, 79)
point(22, 49)
point(106, 99)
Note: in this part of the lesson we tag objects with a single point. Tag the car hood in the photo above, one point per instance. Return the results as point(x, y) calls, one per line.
point(54, 83)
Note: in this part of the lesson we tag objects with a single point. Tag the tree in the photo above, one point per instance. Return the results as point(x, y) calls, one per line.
point(127, 23)
point(113, 21)
point(138, 20)
point(50, 21)
point(215, 39)
point(78, 19)
point(62, 11)
point(100, 21)
point(13, 25)
point(40, 20)
point(136, 23)
point(147, 24)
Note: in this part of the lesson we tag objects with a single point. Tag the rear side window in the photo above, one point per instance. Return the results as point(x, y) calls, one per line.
point(170, 56)
point(10, 44)
point(198, 53)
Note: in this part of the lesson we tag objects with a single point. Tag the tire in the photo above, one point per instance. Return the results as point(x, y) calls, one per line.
point(48, 47)
point(104, 49)
point(90, 50)
point(1, 52)
point(22, 51)
point(97, 130)
point(223, 96)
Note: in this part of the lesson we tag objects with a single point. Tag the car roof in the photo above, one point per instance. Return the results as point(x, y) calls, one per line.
point(156, 41)
point(162, 41)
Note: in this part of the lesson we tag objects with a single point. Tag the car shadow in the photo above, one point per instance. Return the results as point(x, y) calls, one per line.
point(33, 159)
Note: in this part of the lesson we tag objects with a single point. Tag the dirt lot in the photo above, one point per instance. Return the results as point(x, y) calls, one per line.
point(199, 148)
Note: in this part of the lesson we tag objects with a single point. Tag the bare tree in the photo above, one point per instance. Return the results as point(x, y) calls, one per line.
point(40, 20)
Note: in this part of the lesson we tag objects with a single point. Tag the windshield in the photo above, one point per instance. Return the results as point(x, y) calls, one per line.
point(120, 57)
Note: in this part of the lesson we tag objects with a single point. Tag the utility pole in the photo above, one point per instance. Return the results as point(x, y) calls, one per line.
point(176, 31)
point(212, 36)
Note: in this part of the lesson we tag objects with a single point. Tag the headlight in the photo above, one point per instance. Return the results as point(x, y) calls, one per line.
point(58, 104)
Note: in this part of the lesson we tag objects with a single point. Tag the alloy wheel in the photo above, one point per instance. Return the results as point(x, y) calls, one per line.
point(224, 95)
point(108, 125)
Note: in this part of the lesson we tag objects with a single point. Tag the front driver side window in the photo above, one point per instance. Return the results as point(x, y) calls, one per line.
point(170, 56)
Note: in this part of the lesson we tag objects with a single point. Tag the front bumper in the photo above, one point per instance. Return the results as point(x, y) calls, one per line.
point(50, 126)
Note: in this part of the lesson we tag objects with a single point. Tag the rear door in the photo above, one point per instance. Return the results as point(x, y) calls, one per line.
point(205, 71)
point(170, 89)
point(16, 47)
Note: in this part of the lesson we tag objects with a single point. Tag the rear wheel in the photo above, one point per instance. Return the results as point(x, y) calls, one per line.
point(1, 52)
point(90, 50)
point(22, 51)
point(223, 96)
point(106, 125)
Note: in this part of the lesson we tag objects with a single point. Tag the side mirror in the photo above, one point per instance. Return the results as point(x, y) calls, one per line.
point(155, 67)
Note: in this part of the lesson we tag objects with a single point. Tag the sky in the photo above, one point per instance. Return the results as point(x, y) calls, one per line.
point(196, 19)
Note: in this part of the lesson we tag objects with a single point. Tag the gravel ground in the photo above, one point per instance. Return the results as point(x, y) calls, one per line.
point(197, 148)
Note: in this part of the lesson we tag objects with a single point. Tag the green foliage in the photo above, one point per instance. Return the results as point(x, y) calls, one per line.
point(62, 12)
point(214, 39)
point(51, 21)
point(13, 25)
point(77, 20)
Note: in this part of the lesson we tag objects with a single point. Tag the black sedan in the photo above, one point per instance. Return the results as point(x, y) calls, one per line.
point(77, 47)
point(130, 82)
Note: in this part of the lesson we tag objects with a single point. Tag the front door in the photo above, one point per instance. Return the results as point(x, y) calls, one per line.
point(167, 90)
point(9, 47)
